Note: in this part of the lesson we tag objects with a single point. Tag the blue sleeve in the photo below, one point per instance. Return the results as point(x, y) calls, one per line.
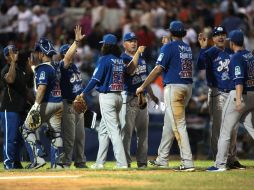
point(43, 77)
point(163, 57)
point(92, 83)
point(201, 61)
point(99, 71)
point(238, 69)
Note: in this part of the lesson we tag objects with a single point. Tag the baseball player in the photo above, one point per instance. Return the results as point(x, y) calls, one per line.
point(48, 102)
point(12, 109)
point(108, 79)
point(239, 104)
point(134, 118)
point(175, 63)
point(72, 122)
point(215, 60)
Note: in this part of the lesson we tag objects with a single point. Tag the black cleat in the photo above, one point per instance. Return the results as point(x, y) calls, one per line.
point(35, 165)
point(80, 165)
point(236, 165)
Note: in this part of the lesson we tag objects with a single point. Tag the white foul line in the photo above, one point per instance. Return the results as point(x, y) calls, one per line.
point(38, 177)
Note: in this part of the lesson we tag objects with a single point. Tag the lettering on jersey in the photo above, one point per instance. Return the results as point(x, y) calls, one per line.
point(160, 57)
point(248, 55)
point(250, 83)
point(223, 65)
point(56, 92)
point(42, 76)
point(237, 71)
point(186, 68)
point(118, 68)
point(184, 48)
point(75, 77)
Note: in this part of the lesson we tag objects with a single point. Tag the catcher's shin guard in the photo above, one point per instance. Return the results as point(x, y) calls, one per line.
point(56, 150)
point(34, 149)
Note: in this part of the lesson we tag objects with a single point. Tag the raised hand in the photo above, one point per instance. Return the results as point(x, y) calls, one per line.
point(141, 49)
point(203, 41)
point(78, 35)
point(13, 56)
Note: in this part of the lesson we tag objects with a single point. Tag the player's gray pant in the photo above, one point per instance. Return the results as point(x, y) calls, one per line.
point(73, 134)
point(176, 97)
point(216, 102)
point(134, 119)
point(51, 113)
point(230, 117)
point(110, 106)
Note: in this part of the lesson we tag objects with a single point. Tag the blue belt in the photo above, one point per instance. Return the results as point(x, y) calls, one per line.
point(224, 90)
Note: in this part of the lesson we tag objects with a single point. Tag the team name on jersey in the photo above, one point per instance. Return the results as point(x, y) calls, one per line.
point(223, 65)
point(118, 68)
point(140, 69)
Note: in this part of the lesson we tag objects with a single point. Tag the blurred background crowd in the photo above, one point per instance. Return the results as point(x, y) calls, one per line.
point(23, 22)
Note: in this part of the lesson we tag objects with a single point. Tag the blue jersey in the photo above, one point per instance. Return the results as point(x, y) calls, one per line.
point(71, 81)
point(109, 74)
point(216, 62)
point(45, 74)
point(242, 69)
point(135, 80)
point(176, 60)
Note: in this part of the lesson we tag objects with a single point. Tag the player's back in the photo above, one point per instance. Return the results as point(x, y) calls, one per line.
point(176, 59)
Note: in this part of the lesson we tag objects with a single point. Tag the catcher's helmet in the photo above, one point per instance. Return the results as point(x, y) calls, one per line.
point(45, 46)
point(64, 48)
point(177, 28)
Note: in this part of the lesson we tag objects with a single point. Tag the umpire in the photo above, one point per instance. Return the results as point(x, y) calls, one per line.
point(13, 106)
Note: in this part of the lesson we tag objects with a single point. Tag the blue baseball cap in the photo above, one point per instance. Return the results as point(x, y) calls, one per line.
point(64, 48)
point(176, 26)
point(129, 36)
point(237, 37)
point(109, 39)
point(219, 30)
point(7, 49)
point(45, 46)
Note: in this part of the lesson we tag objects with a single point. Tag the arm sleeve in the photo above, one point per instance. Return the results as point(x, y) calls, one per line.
point(42, 76)
point(238, 70)
point(92, 83)
point(99, 71)
point(201, 61)
point(163, 57)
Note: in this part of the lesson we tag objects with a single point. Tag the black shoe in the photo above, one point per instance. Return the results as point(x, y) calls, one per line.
point(35, 165)
point(17, 165)
point(157, 164)
point(80, 165)
point(236, 165)
point(142, 165)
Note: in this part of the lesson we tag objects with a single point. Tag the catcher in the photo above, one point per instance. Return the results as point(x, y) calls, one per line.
point(48, 107)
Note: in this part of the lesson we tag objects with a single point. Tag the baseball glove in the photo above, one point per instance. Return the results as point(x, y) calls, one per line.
point(142, 103)
point(79, 104)
point(34, 119)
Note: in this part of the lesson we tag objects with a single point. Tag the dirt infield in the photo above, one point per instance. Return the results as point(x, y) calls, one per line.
point(71, 180)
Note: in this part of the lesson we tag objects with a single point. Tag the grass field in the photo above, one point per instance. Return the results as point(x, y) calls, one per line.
point(149, 178)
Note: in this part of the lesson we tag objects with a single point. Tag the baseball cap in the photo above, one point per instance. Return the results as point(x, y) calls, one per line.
point(64, 48)
point(45, 46)
point(236, 36)
point(7, 49)
point(109, 39)
point(176, 26)
point(219, 30)
point(129, 36)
